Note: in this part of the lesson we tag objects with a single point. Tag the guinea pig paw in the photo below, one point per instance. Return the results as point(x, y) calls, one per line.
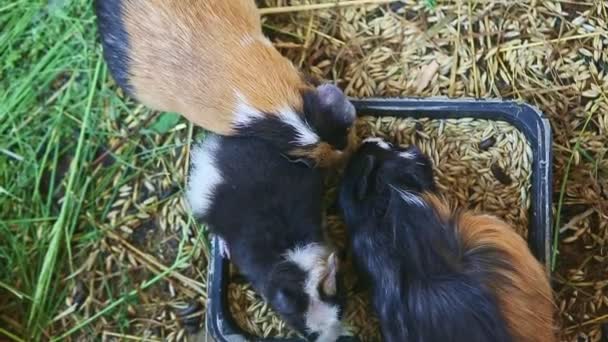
point(224, 251)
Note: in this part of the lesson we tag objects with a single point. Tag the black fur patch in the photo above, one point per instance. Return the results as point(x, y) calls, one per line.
point(285, 292)
point(339, 299)
point(272, 130)
point(114, 39)
point(330, 124)
point(279, 134)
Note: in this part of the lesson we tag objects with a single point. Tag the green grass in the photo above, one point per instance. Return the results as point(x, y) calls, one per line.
point(51, 72)
point(58, 110)
point(431, 4)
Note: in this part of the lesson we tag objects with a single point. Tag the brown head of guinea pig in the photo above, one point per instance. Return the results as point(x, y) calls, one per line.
point(209, 61)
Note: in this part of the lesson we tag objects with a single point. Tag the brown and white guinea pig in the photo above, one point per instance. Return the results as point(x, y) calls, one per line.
point(209, 61)
point(267, 211)
point(437, 274)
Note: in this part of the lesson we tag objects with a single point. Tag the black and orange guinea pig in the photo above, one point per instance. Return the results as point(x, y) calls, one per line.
point(436, 274)
point(267, 211)
point(209, 61)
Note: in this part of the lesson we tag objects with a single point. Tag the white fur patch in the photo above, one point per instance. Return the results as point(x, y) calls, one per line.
point(304, 134)
point(309, 256)
point(204, 175)
point(321, 317)
point(407, 155)
point(247, 40)
point(379, 141)
point(244, 112)
point(410, 198)
point(223, 246)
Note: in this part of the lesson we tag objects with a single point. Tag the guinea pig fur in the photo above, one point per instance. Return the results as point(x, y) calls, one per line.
point(210, 61)
point(437, 274)
point(267, 211)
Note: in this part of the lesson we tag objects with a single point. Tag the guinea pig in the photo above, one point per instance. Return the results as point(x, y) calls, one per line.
point(436, 274)
point(267, 211)
point(209, 61)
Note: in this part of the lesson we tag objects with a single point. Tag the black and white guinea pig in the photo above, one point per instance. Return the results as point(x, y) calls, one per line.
point(435, 274)
point(209, 61)
point(267, 211)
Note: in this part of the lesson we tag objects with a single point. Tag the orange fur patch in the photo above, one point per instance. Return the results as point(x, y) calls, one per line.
point(439, 204)
point(193, 57)
point(523, 291)
point(325, 156)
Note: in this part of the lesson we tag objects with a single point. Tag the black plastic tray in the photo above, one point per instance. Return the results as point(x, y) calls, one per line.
point(529, 120)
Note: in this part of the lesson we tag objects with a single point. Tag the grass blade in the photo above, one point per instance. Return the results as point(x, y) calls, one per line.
point(50, 258)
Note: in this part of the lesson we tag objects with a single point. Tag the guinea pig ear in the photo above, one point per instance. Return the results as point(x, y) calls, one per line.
point(362, 187)
point(328, 285)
